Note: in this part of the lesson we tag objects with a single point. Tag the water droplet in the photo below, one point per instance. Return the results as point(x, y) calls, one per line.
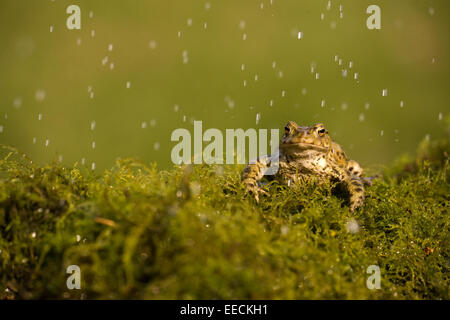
point(431, 11)
point(207, 5)
point(322, 16)
point(93, 144)
point(384, 92)
point(144, 125)
point(1, 129)
point(350, 64)
point(402, 104)
point(245, 83)
point(381, 132)
point(189, 22)
point(283, 94)
point(355, 76)
point(93, 33)
point(244, 36)
point(344, 73)
point(317, 76)
point(242, 24)
point(340, 62)
point(176, 108)
point(280, 74)
point(156, 146)
point(110, 47)
point(300, 35)
point(304, 91)
point(440, 116)
point(34, 140)
point(93, 125)
point(111, 66)
point(17, 102)
point(91, 95)
point(128, 85)
point(361, 117)
point(256, 77)
point(333, 25)
point(93, 166)
point(40, 116)
point(329, 5)
point(185, 57)
point(258, 117)
point(344, 106)
point(242, 67)
point(51, 28)
point(40, 95)
point(274, 64)
point(47, 142)
point(91, 14)
point(322, 103)
point(78, 41)
point(367, 105)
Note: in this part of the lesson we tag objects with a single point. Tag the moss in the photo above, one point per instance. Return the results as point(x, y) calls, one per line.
point(192, 233)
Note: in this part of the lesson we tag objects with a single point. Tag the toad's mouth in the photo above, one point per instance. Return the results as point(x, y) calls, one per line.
point(302, 146)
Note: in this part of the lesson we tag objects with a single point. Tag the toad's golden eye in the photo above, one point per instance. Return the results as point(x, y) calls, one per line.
point(321, 131)
point(287, 130)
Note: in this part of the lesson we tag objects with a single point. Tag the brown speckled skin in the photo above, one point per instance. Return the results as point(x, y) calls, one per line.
point(305, 152)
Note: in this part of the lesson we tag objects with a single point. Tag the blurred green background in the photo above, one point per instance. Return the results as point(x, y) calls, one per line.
point(139, 69)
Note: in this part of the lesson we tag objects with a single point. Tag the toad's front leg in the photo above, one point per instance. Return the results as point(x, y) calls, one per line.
point(355, 186)
point(250, 177)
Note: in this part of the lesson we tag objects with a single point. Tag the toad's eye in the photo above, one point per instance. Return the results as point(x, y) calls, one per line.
point(321, 131)
point(287, 130)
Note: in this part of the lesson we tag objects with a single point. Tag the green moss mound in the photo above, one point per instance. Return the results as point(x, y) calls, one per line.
point(192, 233)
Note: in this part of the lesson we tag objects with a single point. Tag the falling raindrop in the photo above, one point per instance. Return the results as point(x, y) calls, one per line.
point(152, 122)
point(381, 132)
point(93, 144)
point(242, 24)
point(110, 47)
point(384, 92)
point(1, 129)
point(300, 35)
point(355, 76)
point(93, 33)
point(274, 64)
point(40, 116)
point(144, 125)
point(128, 85)
point(242, 67)
point(91, 14)
point(51, 28)
point(340, 62)
point(93, 166)
point(258, 117)
point(189, 22)
point(152, 44)
point(440, 116)
point(344, 106)
point(17, 102)
point(402, 104)
point(367, 105)
point(283, 94)
point(176, 108)
point(111, 66)
point(271, 103)
point(34, 140)
point(333, 24)
point(329, 5)
point(350, 64)
point(344, 73)
point(256, 77)
point(431, 11)
point(185, 57)
point(105, 60)
point(78, 41)
point(322, 16)
point(47, 142)
point(280, 74)
point(207, 5)
point(361, 117)
point(156, 146)
point(93, 125)
point(304, 91)
point(245, 83)
point(91, 94)
point(317, 76)
point(244, 36)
